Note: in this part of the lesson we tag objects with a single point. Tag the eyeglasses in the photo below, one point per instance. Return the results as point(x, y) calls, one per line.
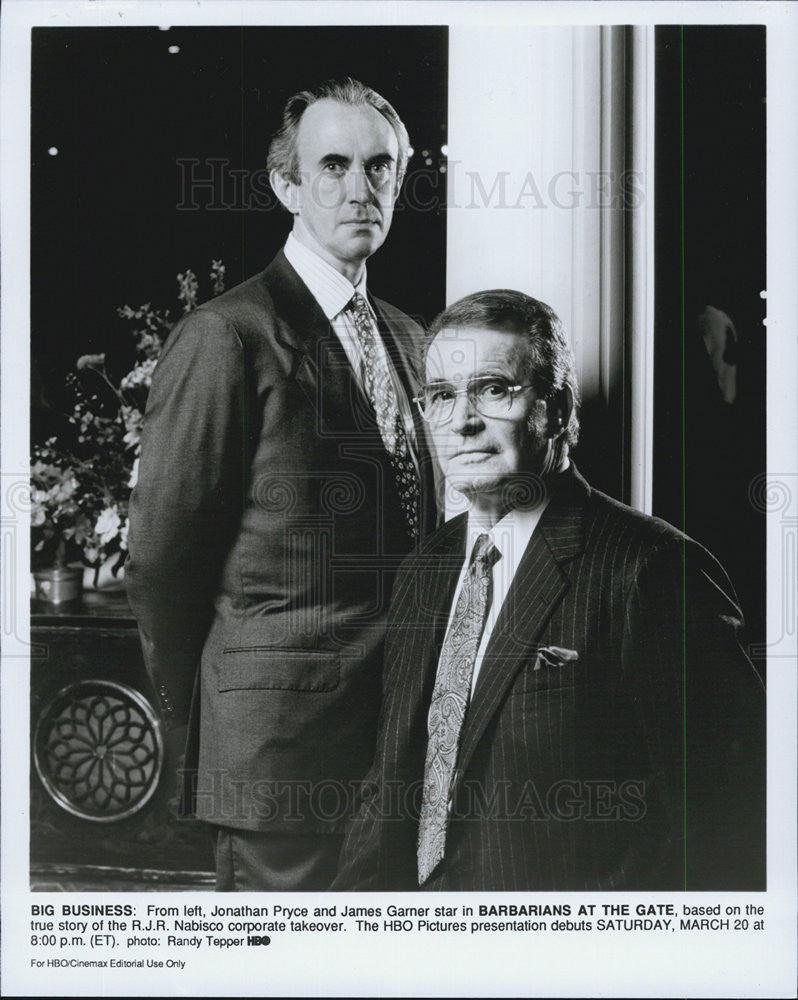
point(489, 395)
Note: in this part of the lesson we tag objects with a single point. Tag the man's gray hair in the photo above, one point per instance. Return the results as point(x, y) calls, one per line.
point(283, 152)
point(551, 361)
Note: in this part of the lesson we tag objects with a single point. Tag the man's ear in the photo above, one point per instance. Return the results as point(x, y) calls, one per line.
point(286, 191)
point(560, 408)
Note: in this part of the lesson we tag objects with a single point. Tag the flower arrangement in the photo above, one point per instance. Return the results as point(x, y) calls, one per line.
point(80, 489)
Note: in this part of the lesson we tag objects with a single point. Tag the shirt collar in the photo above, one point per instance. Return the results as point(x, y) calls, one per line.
point(328, 287)
point(510, 535)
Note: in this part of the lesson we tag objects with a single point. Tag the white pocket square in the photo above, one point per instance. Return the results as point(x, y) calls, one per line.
point(554, 656)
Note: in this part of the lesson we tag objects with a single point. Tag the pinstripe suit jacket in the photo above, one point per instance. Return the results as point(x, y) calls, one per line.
point(637, 766)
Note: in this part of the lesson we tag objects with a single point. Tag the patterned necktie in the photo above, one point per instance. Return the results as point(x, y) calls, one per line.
point(449, 701)
point(381, 391)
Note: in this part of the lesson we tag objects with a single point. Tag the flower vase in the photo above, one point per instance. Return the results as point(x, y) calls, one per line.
point(58, 584)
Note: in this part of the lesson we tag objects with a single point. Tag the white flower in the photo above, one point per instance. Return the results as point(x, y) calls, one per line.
point(141, 374)
point(123, 535)
point(132, 438)
point(63, 491)
point(90, 361)
point(133, 420)
point(107, 526)
point(134, 473)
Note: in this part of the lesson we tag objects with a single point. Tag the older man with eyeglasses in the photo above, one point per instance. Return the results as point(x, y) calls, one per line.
point(566, 705)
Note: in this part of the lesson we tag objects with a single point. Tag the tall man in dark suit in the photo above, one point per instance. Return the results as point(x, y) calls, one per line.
point(283, 477)
point(566, 706)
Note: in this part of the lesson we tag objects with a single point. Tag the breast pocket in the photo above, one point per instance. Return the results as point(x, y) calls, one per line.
point(551, 669)
point(262, 668)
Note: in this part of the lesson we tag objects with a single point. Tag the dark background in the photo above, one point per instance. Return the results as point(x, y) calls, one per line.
point(710, 249)
point(110, 216)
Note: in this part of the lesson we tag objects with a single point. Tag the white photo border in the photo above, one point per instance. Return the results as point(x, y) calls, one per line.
point(410, 964)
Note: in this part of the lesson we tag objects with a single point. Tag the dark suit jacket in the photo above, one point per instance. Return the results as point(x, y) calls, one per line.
point(265, 532)
point(638, 766)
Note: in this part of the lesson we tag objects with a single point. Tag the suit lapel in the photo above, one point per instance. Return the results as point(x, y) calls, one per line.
point(404, 353)
point(539, 584)
point(401, 350)
point(322, 370)
point(321, 366)
point(305, 323)
point(424, 613)
point(438, 585)
point(400, 347)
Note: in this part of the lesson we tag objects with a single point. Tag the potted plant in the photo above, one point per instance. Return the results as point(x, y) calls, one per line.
point(59, 526)
point(80, 487)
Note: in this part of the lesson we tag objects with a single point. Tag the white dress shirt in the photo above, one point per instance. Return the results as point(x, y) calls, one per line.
point(510, 535)
point(334, 292)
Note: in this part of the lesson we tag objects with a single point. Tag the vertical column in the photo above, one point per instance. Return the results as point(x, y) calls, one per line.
point(640, 261)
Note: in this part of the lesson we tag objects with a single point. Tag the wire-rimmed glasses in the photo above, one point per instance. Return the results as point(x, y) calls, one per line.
point(490, 395)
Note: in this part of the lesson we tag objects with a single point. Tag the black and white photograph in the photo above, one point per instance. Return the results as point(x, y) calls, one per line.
point(399, 497)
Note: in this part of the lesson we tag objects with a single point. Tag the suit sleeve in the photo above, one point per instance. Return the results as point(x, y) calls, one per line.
point(187, 502)
point(701, 708)
point(378, 852)
point(360, 864)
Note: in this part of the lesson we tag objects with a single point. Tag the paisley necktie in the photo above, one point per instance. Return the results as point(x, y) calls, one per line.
point(381, 391)
point(449, 702)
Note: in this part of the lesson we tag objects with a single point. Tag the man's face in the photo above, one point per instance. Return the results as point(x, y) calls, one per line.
point(347, 162)
point(480, 454)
